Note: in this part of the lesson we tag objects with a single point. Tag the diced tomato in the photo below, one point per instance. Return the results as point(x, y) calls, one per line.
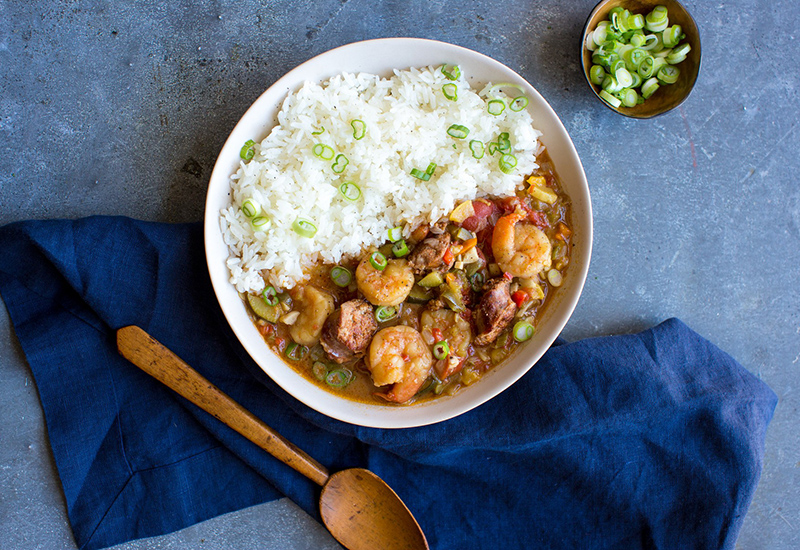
point(448, 256)
point(519, 297)
point(508, 275)
point(437, 335)
point(266, 329)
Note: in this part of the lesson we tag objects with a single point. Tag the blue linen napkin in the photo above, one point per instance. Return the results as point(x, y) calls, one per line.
point(652, 440)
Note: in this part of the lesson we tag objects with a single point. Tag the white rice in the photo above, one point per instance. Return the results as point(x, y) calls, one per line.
point(407, 117)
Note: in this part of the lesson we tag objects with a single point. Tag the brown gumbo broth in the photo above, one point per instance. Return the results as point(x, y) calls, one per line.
point(460, 298)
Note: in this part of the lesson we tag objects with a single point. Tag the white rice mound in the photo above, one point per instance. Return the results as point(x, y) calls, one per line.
point(406, 117)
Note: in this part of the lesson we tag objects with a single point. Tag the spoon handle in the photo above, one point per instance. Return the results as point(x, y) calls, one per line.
point(155, 359)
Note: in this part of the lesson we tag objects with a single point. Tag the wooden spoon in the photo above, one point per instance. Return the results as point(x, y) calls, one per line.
point(357, 507)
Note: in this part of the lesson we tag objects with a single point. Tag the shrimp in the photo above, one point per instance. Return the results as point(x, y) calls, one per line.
point(521, 249)
point(388, 287)
point(451, 327)
point(399, 356)
point(314, 306)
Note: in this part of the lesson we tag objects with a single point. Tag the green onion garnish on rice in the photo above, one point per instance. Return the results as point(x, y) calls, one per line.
point(458, 131)
point(359, 128)
point(496, 106)
point(318, 132)
point(261, 223)
point(518, 103)
point(477, 148)
point(503, 143)
point(304, 227)
point(250, 208)
point(350, 191)
point(507, 163)
point(451, 72)
point(340, 164)
point(420, 175)
point(248, 150)
point(450, 91)
point(325, 152)
point(395, 234)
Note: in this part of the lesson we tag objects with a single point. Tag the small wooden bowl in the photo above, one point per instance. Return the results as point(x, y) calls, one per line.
point(667, 97)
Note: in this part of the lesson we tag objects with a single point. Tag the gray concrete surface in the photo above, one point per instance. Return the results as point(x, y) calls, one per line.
point(121, 108)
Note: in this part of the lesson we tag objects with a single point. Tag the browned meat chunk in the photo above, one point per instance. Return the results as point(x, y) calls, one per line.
point(429, 254)
point(348, 331)
point(495, 310)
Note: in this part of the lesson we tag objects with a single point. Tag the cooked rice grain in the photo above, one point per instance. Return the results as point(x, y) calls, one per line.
point(407, 117)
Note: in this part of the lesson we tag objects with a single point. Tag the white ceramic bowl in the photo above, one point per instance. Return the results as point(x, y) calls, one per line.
point(381, 57)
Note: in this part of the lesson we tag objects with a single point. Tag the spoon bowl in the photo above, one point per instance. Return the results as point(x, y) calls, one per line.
point(359, 509)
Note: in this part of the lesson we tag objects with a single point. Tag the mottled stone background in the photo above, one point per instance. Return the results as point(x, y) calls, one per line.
point(121, 108)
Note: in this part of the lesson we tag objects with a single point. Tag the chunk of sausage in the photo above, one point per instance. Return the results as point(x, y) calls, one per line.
point(429, 254)
point(495, 310)
point(348, 331)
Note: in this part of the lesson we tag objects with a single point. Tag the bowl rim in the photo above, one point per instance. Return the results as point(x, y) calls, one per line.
point(592, 13)
point(496, 380)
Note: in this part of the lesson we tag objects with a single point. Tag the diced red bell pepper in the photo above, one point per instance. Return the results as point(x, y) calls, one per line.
point(519, 297)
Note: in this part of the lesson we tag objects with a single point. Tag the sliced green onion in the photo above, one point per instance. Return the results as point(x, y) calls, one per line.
point(340, 164)
point(458, 131)
point(400, 249)
point(441, 349)
point(304, 227)
point(656, 20)
point(378, 261)
point(261, 223)
point(420, 175)
point(668, 74)
point(250, 208)
point(339, 377)
point(507, 163)
point(350, 191)
point(678, 54)
point(319, 370)
point(522, 331)
point(325, 152)
point(385, 313)
point(646, 67)
point(295, 351)
point(248, 150)
point(496, 106)
point(431, 169)
point(270, 296)
point(636, 21)
point(610, 99)
point(359, 128)
point(503, 143)
point(518, 103)
point(610, 84)
point(451, 72)
point(637, 40)
point(341, 276)
point(651, 41)
point(629, 97)
point(477, 148)
point(596, 74)
point(649, 87)
point(671, 36)
point(318, 132)
point(637, 80)
point(395, 234)
point(450, 91)
point(491, 147)
point(624, 78)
